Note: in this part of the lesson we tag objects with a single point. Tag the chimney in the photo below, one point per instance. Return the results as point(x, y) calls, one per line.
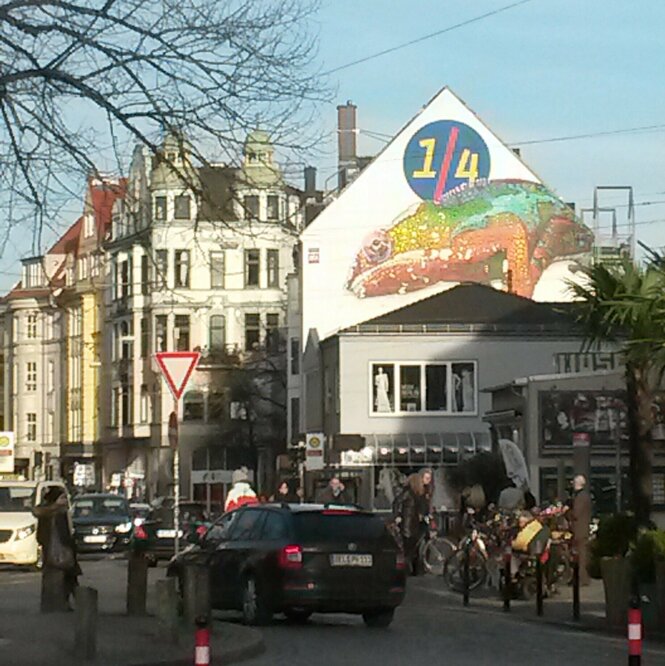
point(571, 205)
point(310, 181)
point(346, 132)
point(517, 152)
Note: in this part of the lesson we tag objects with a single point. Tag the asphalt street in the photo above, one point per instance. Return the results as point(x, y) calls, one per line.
point(424, 631)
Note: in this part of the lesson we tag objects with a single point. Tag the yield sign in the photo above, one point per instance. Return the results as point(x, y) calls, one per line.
point(177, 368)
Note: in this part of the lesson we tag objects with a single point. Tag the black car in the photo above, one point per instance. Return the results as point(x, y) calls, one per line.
point(300, 559)
point(101, 522)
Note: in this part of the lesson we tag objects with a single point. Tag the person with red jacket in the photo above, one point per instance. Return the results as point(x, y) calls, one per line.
point(241, 492)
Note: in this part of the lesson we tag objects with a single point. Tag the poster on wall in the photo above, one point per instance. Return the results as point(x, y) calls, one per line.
point(445, 202)
point(6, 452)
point(564, 415)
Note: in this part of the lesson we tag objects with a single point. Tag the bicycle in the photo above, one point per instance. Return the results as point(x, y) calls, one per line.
point(472, 547)
point(434, 550)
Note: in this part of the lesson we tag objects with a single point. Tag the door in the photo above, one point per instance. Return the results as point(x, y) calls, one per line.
point(213, 547)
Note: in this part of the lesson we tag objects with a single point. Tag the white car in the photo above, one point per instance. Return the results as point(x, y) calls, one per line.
point(18, 527)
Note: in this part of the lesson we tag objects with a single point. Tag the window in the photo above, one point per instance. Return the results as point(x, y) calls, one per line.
point(248, 525)
point(83, 268)
point(125, 278)
point(273, 207)
point(252, 331)
point(33, 274)
point(145, 337)
point(220, 531)
point(162, 269)
point(31, 331)
point(145, 275)
point(31, 376)
point(192, 406)
point(145, 403)
point(273, 268)
point(127, 404)
point(115, 407)
point(181, 207)
point(217, 332)
point(295, 356)
point(182, 268)
point(252, 268)
point(161, 324)
point(295, 418)
point(31, 420)
point(251, 207)
point(160, 208)
point(272, 332)
point(274, 527)
point(409, 388)
point(182, 332)
point(88, 225)
point(217, 270)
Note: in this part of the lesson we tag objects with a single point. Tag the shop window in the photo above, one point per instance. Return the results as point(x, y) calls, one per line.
point(252, 268)
point(383, 376)
point(273, 269)
point(182, 207)
point(182, 268)
point(273, 208)
point(217, 270)
point(217, 332)
point(251, 207)
point(252, 331)
point(160, 208)
point(409, 388)
point(182, 332)
point(464, 387)
point(436, 383)
point(193, 403)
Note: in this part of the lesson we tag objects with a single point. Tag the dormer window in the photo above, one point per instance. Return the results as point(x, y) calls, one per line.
point(182, 207)
point(273, 207)
point(88, 225)
point(33, 275)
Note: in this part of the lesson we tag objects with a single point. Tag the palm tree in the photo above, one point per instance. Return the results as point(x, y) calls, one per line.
point(624, 305)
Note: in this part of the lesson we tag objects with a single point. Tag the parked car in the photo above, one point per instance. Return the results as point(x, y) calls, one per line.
point(157, 532)
point(300, 559)
point(139, 512)
point(18, 527)
point(102, 522)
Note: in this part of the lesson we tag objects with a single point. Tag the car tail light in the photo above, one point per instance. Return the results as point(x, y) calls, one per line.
point(290, 557)
point(140, 533)
point(400, 561)
point(338, 512)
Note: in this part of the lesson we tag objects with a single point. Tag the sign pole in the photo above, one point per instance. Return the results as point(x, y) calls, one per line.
point(173, 438)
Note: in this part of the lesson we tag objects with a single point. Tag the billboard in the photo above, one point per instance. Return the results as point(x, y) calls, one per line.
point(7, 452)
point(445, 202)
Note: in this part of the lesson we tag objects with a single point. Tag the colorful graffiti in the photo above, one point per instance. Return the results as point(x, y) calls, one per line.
point(500, 232)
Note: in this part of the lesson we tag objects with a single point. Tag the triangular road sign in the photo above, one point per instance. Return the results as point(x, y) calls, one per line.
point(177, 368)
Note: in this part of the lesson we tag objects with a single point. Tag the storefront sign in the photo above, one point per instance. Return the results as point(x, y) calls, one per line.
point(314, 451)
point(6, 452)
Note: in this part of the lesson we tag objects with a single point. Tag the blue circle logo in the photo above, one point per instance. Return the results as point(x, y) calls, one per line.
point(443, 155)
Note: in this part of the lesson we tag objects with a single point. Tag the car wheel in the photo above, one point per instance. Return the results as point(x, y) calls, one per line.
point(379, 619)
point(255, 609)
point(298, 615)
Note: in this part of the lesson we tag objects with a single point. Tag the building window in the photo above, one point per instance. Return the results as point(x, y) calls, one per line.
point(252, 268)
point(115, 407)
point(161, 325)
point(145, 337)
point(83, 268)
point(273, 268)
point(251, 207)
point(273, 208)
point(50, 385)
point(127, 404)
point(31, 331)
point(182, 268)
point(295, 356)
point(162, 269)
point(145, 402)
point(33, 275)
point(217, 270)
point(272, 332)
point(408, 388)
point(193, 403)
point(252, 331)
point(88, 225)
point(217, 332)
point(295, 418)
point(145, 274)
point(160, 208)
point(125, 279)
point(182, 207)
point(182, 332)
point(31, 376)
point(31, 421)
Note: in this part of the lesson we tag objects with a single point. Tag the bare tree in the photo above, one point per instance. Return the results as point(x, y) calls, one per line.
point(80, 80)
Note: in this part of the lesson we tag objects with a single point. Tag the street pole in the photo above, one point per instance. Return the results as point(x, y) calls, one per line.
point(617, 437)
point(173, 440)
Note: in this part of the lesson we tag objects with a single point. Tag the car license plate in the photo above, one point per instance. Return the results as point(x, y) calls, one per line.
point(96, 538)
point(350, 560)
point(166, 534)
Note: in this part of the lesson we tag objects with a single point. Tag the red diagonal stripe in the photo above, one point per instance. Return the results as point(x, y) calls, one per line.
point(445, 166)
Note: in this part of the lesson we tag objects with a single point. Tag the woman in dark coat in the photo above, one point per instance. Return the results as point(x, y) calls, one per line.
point(285, 494)
point(54, 535)
point(410, 509)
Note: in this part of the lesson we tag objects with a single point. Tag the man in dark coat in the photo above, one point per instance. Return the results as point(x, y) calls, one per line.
point(580, 515)
point(334, 493)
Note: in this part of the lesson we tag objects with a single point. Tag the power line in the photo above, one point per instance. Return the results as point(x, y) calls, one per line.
point(589, 135)
point(392, 49)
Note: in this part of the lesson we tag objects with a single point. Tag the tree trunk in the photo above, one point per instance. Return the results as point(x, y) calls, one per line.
point(640, 421)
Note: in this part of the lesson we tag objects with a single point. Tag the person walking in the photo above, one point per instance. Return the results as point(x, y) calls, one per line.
point(580, 519)
point(411, 508)
point(241, 492)
point(60, 570)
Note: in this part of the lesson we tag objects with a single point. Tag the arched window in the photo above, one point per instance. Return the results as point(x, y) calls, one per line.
point(193, 406)
point(217, 332)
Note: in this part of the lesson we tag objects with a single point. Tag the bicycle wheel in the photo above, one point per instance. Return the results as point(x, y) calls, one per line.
point(435, 554)
point(454, 570)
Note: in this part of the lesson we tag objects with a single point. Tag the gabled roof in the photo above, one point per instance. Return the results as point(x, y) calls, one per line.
point(103, 195)
point(473, 303)
point(68, 243)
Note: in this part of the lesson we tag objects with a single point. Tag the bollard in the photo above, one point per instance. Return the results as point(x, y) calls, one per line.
point(53, 598)
point(137, 583)
point(576, 586)
point(465, 572)
point(202, 642)
point(539, 579)
point(507, 578)
point(85, 636)
point(634, 632)
point(167, 609)
point(196, 592)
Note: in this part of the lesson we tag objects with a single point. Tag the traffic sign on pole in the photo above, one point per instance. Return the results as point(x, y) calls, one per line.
point(177, 368)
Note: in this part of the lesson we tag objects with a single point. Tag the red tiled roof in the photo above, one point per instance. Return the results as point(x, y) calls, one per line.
point(103, 196)
point(69, 241)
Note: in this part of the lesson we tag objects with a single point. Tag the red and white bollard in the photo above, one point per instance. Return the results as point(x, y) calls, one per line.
point(202, 643)
point(634, 634)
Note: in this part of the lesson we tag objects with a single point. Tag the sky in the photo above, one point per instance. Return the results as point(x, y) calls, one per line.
point(541, 70)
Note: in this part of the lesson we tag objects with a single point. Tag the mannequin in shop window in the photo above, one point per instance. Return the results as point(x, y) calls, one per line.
point(382, 387)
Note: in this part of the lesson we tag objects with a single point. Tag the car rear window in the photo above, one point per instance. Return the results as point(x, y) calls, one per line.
point(324, 526)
